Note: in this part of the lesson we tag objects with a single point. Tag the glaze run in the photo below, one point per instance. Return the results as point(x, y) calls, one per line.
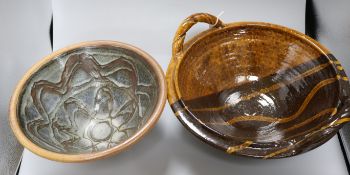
point(256, 89)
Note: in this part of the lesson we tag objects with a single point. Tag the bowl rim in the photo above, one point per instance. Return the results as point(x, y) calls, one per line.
point(321, 49)
point(14, 121)
point(182, 112)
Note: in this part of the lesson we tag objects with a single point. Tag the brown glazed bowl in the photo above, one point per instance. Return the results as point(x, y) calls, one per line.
point(256, 89)
point(87, 101)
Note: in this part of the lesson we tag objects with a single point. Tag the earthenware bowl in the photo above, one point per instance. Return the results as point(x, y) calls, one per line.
point(87, 101)
point(256, 89)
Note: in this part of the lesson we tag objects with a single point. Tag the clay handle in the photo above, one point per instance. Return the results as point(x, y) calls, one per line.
point(187, 24)
point(344, 111)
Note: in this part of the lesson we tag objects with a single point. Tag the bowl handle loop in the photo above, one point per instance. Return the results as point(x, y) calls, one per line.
point(344, 113)
point(187, 24)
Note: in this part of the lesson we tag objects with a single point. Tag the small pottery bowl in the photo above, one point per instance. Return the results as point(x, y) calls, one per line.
point(256, 89)
point(87, 101)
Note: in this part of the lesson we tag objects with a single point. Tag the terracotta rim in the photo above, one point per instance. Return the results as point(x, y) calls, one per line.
point(27, 143)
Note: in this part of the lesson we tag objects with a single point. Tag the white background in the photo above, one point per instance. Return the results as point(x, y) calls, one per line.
point(170, 149)
point(24, 38)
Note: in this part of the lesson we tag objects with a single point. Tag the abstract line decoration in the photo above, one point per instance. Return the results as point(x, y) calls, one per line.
point(88, 100)
point(256, 89)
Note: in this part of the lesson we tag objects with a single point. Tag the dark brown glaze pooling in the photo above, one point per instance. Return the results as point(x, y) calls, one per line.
point(256, 89)
point(220, 115)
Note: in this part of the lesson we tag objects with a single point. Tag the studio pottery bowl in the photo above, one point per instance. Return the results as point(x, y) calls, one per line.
point(256, 89)
point(87, 101)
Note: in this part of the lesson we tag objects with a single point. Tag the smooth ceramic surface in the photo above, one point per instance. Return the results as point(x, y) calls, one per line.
point(256, 89)
point(172, 149)
point(89, 99)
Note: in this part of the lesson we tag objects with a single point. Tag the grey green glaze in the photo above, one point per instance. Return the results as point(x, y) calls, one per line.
point(88, 100)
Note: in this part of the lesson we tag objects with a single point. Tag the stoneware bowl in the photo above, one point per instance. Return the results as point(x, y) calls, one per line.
point(256, 89)
point(87, 101)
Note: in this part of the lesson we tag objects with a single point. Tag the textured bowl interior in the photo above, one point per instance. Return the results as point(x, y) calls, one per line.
point(88, 99)
point(258, 84)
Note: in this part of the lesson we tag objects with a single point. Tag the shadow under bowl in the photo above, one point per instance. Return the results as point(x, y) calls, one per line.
point(87, 101)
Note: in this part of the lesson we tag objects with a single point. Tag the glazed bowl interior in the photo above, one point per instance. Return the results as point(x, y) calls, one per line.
point(90, 99)
point(258, 83)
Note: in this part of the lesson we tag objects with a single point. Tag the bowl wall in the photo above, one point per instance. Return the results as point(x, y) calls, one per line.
point(256, 89)
point(88, 100)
